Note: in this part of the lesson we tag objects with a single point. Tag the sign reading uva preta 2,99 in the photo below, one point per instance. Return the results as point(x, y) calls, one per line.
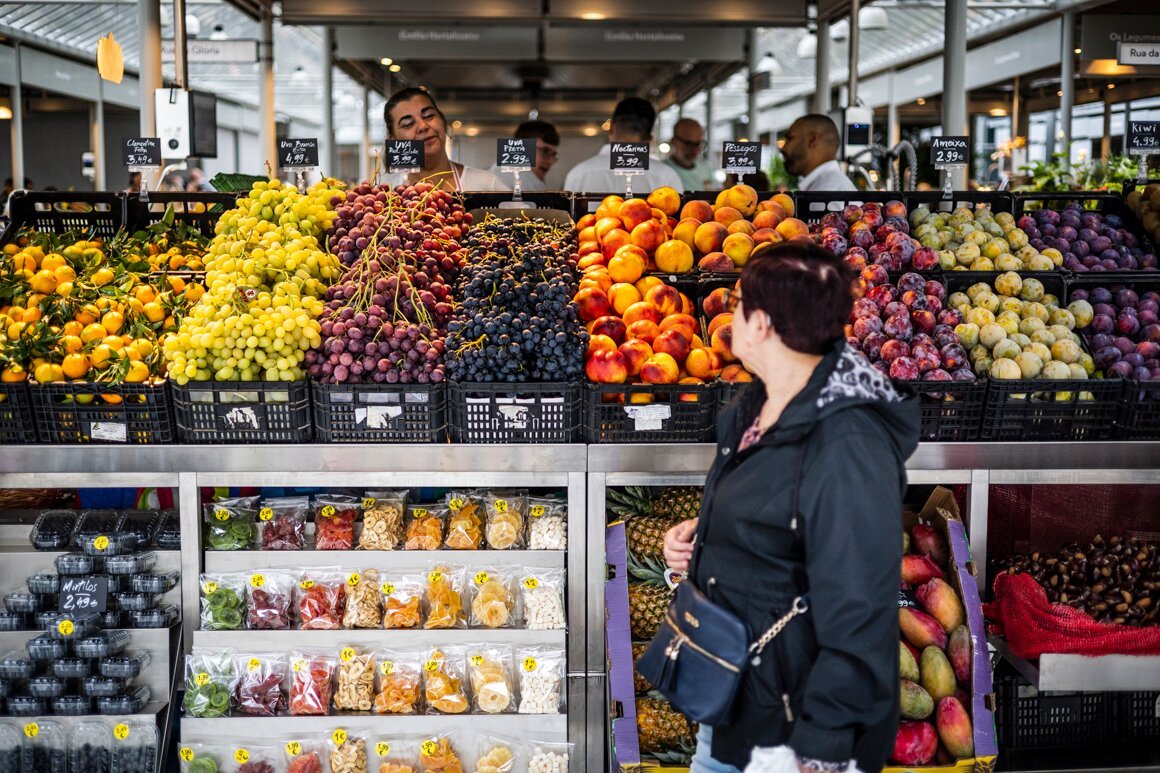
point(1143, 138)
point(141, 151)
point(741, 157)
point(515, 154)
point(404, 154)
point(629, 157)
point(298, 153)
point(948, 151)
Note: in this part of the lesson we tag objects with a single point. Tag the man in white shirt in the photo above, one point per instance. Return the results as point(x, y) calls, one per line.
point(686, 157)
point(547, 139)
point(632, 121)
point(810, 152)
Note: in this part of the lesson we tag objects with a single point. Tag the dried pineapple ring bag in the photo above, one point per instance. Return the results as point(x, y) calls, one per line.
point(505, 519)
point(491, 678)
point(493, 601)
point(494, 754)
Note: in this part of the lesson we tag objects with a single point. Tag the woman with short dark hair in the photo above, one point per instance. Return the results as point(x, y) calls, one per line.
point(411, 114)
point(802, 508)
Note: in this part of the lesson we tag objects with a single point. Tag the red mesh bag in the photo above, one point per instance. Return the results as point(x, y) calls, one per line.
point(1033, 626)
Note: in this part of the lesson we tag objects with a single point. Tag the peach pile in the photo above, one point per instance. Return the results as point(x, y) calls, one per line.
point(720, 332)
point(726, 234)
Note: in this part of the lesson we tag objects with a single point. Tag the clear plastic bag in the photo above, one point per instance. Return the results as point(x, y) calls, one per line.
point(311, 684)
point(397, 755)
point(400, 689)
point(547, 524)
point(425, 527)
point(261, 684)
point(231, 524)
point(355, 685)
point(505, 519)
point(490, 669)
point(223, 603)
point(464, 521)
point(363, 600)
point(493, 599)
point(440, 754)
point(541, 671)
point(269, 597)
point(445, 588)
point(347, 754)
point(305, 756)
point(321, 599)
point(209, 682)
point(443, 681)
point(542, 594)
point(549, 757)
point(202, 758)
point(282, 523)
point(255, 759)
point(403, 601)
point(382, 527)
point(495, 754)
point(334, 518)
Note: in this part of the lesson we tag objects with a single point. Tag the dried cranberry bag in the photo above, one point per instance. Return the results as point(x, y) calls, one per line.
point(321, 599)
point(268, 601)
point(260, 690)
point(334, 517)
point(282, 523)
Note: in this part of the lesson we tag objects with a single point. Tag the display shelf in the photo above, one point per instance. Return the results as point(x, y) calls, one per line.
point(148, 714)
point(372, 727)
point(1082, 673)
point(394, 560)
point(285, 641)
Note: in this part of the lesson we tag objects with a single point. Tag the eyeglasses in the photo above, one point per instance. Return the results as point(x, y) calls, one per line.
point(690, 143)
point(732, 300)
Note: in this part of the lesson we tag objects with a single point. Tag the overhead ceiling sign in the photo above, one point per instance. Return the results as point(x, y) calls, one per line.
point(748, 13)
point(643, 44)
point(1138, 53)
point(361, 12)
point(213, 51)
point(424, 42)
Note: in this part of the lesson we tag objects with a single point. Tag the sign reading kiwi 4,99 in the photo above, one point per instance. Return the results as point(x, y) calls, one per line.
point(1143, 138)
point(948, 151)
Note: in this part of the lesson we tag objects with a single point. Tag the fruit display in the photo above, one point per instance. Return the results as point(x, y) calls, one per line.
point(1088, 241)
point(980, 240)
point(1145, 202)
point(266, 271)
point(935, 655)
point(904, 330)
point(1124, 331)
point(719, 328)
point(515, 321)
point(723, 236)
point(874, 234)
point(1114, 580)
point(386, 318)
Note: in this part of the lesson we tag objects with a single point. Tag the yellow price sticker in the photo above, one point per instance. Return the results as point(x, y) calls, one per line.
point(347, 654)
point(481, 578)
point(257, 580)
point(386, 668)
point(501, 505)
point(32, 730)
point(65, 627)
point(419, 512)
point(209, 588)
point(435, 577)
point(368, 503)
point(121, 732)
point(382, 748)
point(293, 748)
point(387, 588)
point(456, 504)
point(477, 660)
point(185, 753)
point(328, 511)
point(538, 511)
point(298, 665)
point(429, 748)
point(306, 584)
point(530, 664)
point(266, 513)
point(101, 542)
point(353, 580)
point(431, 665)
point(253, 665)
point(242, 756)
point(221, 515)
point(201, 678)
point(531, 583)
point(339, 736)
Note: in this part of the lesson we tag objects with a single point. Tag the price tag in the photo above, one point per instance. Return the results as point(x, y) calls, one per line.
point(501, 505)
point(265, 513)
point(338, 736)
point(430, 747)
point(531, 583)
point(419, 512)
point(254, 664)
point(185, 753)
point(530, 664)
point(257, 580)
point(456, 504)
point(210, 587)
point(65, 627)
point(435, 577)
point(83, 594)
point(242, 756)
point(387, 588)
point(741, 157)
point(538, 511)
point(353, 580)
point(477, 660)
point(1143, 138)
point(515, 154)
point(431, 665)
point(201, 678)
point(221, 515)
point(481, 578)
point(121, 731)
point(293, 748)
point(101, 543)
point(298, 665)
point(306, 584)
point(328, 511)
point(949, 151)
point(387, 667)
point(298, 153)
point(405, 155)
point(347, 654)
point(368, 503)
point(382, 748)
point(629, 157)
point(32, 730)
point(141, 152)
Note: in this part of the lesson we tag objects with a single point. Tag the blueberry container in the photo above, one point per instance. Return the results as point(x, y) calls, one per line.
point(46, 687)
point(43, 582)
point(53, 530)
point(154, 618)
point(72, 706)
point(168, 536)
point(9, 747)
point(72, 668)
point(22, 601)
point(16, 665)
point(102, 686)
point(124, 666)
point(45, 647)
point(133, 563)
point(117, 583)
point(14, 621)
point(94, 523)
point(139, 526)
point(108, 544)
point(26, 706)
point(136, 602)
point(73, 564)
point(43, 620)
point(104, 645)
point(137, 753)
point(74, 627)
point(113, 618)
point(90, 748)
point(131, 702)
point(48, 749)
point(154, 583)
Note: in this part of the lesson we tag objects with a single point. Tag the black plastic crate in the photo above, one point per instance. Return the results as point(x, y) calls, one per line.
point(727, 390)
point(514, 413)
point(81, 412)
point(380, 413)
point(89, 213)
point(1028, 719)
point(650, 413)
point(936, 201)
point(1092, 201)
point(197, 209)
point(1140, 415)
point(1139, 715)
point(812, 206)
point(243, 412)
point(949, 411)
point(1051, 409)
point(17, 424)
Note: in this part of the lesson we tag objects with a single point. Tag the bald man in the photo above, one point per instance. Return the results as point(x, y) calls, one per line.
point(810, 152)
point(686, 156)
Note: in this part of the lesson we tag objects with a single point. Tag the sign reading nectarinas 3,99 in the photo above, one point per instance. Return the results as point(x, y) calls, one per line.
point(629, 157)
point(1143, 138)
point(948, 151)
point(741, 157)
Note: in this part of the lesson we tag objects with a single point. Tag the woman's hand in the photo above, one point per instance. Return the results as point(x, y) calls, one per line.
point(679, 545)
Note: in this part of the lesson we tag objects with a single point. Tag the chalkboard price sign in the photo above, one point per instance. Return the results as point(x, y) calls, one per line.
point(83, 594)
point(741, 157)
point(629, 157)
point(141, 152)
point(298, 153)
point(515, 154)
point(949, 151)
point(404, 155)
point(1143, 138)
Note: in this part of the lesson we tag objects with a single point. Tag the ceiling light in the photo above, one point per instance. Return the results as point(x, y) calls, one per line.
point(591, 131)
point(743, 139)
point(299, 76)
point(593, 16)
point(457, 124)
point(1111, 85)
point(664, 147)
point(840, 30)
point(386, 61)
point(219, 33)
point(997, 112)
point(5, 113)
point(781, 144)
point(920, 101)
point(395, 68)
point(472, 131)
point(807, 47)
point(770, 65)
point(192, 26)
point(1079, 50)
point(1059, 93)
point(873, 18)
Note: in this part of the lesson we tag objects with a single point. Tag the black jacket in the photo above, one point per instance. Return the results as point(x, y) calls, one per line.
point(828, 685)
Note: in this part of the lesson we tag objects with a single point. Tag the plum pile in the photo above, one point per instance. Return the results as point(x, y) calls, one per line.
point(874, 234)
point(386, 318)
point(516, 321)
point(1124, 333)
point(904, 330)
point(1087, 240)
point(979, 240)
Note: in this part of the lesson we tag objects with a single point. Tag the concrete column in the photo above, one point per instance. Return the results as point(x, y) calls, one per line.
point(267, 131)
point(1019, 117)
point(1106, 137)
point(97, 111)
point(17, 123)
point(1067, 83)
point(329, 157)
point(364, 165)
point(709, 149)
point(821, 103)
point(754, 60)
point(855, 35)
point(1127, 117)
point(180, 54)
point(893, 125)
point(149, 28)
point(954, 112)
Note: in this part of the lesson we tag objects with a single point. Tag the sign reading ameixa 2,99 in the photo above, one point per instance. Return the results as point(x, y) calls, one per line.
point(949, 151)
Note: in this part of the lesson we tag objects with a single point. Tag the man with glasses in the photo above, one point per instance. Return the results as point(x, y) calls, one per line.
point(632, 121)
point(687, 156)
point(547, 154)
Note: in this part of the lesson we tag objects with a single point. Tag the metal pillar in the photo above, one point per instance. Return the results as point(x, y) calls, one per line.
point(97, 111)
point(893, 125)
point(754, 60)
point(709, 120)
point(328, 158)
point(1106, 137)
point(1124, 139)
point(954, 112)
point(855, 33)
point(267, 131)
point(364, 166)
point(18, 122)
point(1018, 110)
point(1067, 83)
point(180, 52)
point(822, 69)
point(149, 25)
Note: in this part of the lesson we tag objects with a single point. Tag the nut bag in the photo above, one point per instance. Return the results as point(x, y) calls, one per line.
point(334, 517)
point(321, 599)
point(268, 600)
point(382, 527)
point(347, 755)
point(542, 592)
point(231, 524)
point(547, 524)
point(490, 669)
point(443, 681)
point(505, 519)
point(260, 690)
point(439, 755)
point(541, 672)
point(464, 521)
point(445, 587)
point(363, 603)
point(222, 601)
point(425, 527)
point(311, 683)
point(282, 523)
point(400, 675)
point(209, 679)
point(493, 599)
point(355, 688)
point(403, 601)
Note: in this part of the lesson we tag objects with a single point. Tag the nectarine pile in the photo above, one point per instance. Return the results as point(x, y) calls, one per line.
point(726, 234)
point(720, 332)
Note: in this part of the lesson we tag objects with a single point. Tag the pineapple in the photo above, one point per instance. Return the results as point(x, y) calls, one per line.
point(678, 503)
point(647, 517)
point(639, 683)
point(663, 732)
point(648, 599)
point(646, 535)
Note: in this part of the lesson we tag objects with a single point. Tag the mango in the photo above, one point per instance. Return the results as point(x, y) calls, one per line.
point(941, 602)
point(915, 743)
point(960, 653)
point(920, 629)
point(919, 570)
point(907, 665)
point(954, 728)
point(929, 542)
point(916, 702)
point(938, 678)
